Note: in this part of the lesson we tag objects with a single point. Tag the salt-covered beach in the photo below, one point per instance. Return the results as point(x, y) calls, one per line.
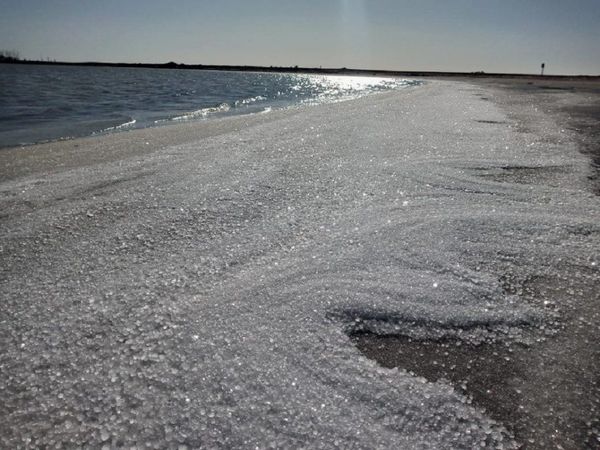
point(203, 285)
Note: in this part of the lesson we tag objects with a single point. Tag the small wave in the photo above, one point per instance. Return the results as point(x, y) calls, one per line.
point(248, 101)
point(126, 124)
point(204, 112)
point(119, 127)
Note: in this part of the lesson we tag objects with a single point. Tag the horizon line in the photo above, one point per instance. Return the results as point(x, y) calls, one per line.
point(288, 69)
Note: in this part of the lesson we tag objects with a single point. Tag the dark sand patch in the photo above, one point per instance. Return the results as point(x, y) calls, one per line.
point(483, 372)
point(495, 122)
point(548, 175)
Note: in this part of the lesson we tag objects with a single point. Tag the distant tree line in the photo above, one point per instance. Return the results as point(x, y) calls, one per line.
point(9, 56)
point(12, 56)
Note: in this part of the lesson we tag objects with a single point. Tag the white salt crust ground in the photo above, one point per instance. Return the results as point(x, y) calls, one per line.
point(199, 294)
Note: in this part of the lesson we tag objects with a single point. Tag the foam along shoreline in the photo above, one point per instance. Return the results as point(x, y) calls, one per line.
point(342, 88)
point(198, 284)
point(121, 126)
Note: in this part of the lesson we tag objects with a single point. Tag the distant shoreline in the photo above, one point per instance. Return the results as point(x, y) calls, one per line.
point(310, 70)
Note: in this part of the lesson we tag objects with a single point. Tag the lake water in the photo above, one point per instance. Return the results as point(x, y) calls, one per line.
point(43, 103)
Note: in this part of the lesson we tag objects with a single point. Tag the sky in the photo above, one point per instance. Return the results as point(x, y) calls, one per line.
point(447, 35)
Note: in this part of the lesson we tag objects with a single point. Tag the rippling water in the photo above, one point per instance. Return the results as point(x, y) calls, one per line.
point(41, 103)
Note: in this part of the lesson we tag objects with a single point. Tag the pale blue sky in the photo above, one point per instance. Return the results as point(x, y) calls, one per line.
point(457, 35)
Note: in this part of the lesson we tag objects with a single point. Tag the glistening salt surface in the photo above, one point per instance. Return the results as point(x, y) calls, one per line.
point(202, 296)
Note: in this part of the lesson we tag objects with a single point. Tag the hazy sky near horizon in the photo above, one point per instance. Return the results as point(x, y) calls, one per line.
point(453, 35)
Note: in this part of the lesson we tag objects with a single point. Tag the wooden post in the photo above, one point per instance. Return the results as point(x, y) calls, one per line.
point(543, 67)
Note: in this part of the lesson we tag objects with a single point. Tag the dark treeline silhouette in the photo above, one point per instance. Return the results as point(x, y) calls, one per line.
point(8, 56)
point(12, 58)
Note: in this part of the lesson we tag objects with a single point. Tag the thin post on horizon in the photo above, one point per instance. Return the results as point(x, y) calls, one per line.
point(543, 67)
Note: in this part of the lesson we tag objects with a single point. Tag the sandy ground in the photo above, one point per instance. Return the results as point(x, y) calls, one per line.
point(220, 284)
point(548, 394)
